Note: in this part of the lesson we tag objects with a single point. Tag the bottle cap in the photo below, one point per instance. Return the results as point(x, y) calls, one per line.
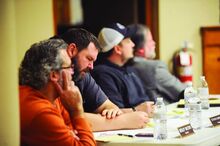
point(194, 100)
point(202, 77)
point(190, 92)
point(160, 98)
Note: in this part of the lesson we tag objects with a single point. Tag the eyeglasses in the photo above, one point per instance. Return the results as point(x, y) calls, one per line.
point(68, 67)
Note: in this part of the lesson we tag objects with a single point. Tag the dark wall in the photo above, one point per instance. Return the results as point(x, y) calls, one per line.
point(99, 13)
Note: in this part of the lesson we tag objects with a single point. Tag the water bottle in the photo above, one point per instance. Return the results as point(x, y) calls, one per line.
point(195, 113)
point(189, 93)
point(160, 120)
point(203, 92)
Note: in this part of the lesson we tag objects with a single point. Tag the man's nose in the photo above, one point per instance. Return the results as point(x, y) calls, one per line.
point(72, 71)
point(132, 44)
point(90, 66)
point(153, 43)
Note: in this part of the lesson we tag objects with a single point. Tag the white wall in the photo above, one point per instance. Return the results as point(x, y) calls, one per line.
point(23, 22)
point(181, 20)
point(34, 22)
point(9, 110)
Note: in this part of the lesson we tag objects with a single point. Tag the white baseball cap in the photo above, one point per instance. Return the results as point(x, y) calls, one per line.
point(110, 36)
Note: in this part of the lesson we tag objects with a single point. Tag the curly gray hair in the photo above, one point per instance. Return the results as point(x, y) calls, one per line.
point(39, 60)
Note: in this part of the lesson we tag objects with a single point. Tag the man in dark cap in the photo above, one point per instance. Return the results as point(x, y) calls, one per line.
point(120, 83)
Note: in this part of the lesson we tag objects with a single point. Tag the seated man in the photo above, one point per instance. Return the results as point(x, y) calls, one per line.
point(83, 48)
point(44, 75)
point(119, 83)
point(157, 80)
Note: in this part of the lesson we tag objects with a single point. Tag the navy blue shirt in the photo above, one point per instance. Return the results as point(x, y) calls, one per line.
point(120, 84)
point(92, 94)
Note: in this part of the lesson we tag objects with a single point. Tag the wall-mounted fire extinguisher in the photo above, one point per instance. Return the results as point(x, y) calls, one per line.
point(182, 65)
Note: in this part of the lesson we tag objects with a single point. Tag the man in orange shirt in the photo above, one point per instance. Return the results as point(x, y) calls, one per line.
point(44, 75)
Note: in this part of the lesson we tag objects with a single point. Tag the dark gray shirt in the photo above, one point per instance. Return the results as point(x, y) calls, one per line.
point(157, 80)
point(92, 95)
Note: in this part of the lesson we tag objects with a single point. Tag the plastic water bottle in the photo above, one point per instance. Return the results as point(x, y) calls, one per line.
point(189, 93)
point(203, 92)
point(160, 120)
point(195, 113)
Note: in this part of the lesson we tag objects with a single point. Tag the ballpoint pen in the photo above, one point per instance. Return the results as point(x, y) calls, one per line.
point(120, 134)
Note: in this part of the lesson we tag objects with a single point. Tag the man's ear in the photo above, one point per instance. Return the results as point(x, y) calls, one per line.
point(140, 52)
point(117, 49)
point(72, 50)
point(54, 76)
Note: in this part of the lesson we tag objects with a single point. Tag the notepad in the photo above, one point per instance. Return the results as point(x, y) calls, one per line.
point(150, 124)
point(112, 138)
point(214, 102)
point(175, 112)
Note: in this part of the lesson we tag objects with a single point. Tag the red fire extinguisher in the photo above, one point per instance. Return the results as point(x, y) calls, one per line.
point(183, 65)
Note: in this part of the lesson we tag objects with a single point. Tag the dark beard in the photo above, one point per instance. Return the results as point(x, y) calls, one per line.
point(78, 75)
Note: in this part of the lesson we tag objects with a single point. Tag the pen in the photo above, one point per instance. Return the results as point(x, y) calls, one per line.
point(144, 135)
point(120, 134)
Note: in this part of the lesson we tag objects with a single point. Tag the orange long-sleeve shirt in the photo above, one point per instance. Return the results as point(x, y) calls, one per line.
point(42, 123)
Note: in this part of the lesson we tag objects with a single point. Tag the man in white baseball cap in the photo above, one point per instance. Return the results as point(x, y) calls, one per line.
point(119, 83)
